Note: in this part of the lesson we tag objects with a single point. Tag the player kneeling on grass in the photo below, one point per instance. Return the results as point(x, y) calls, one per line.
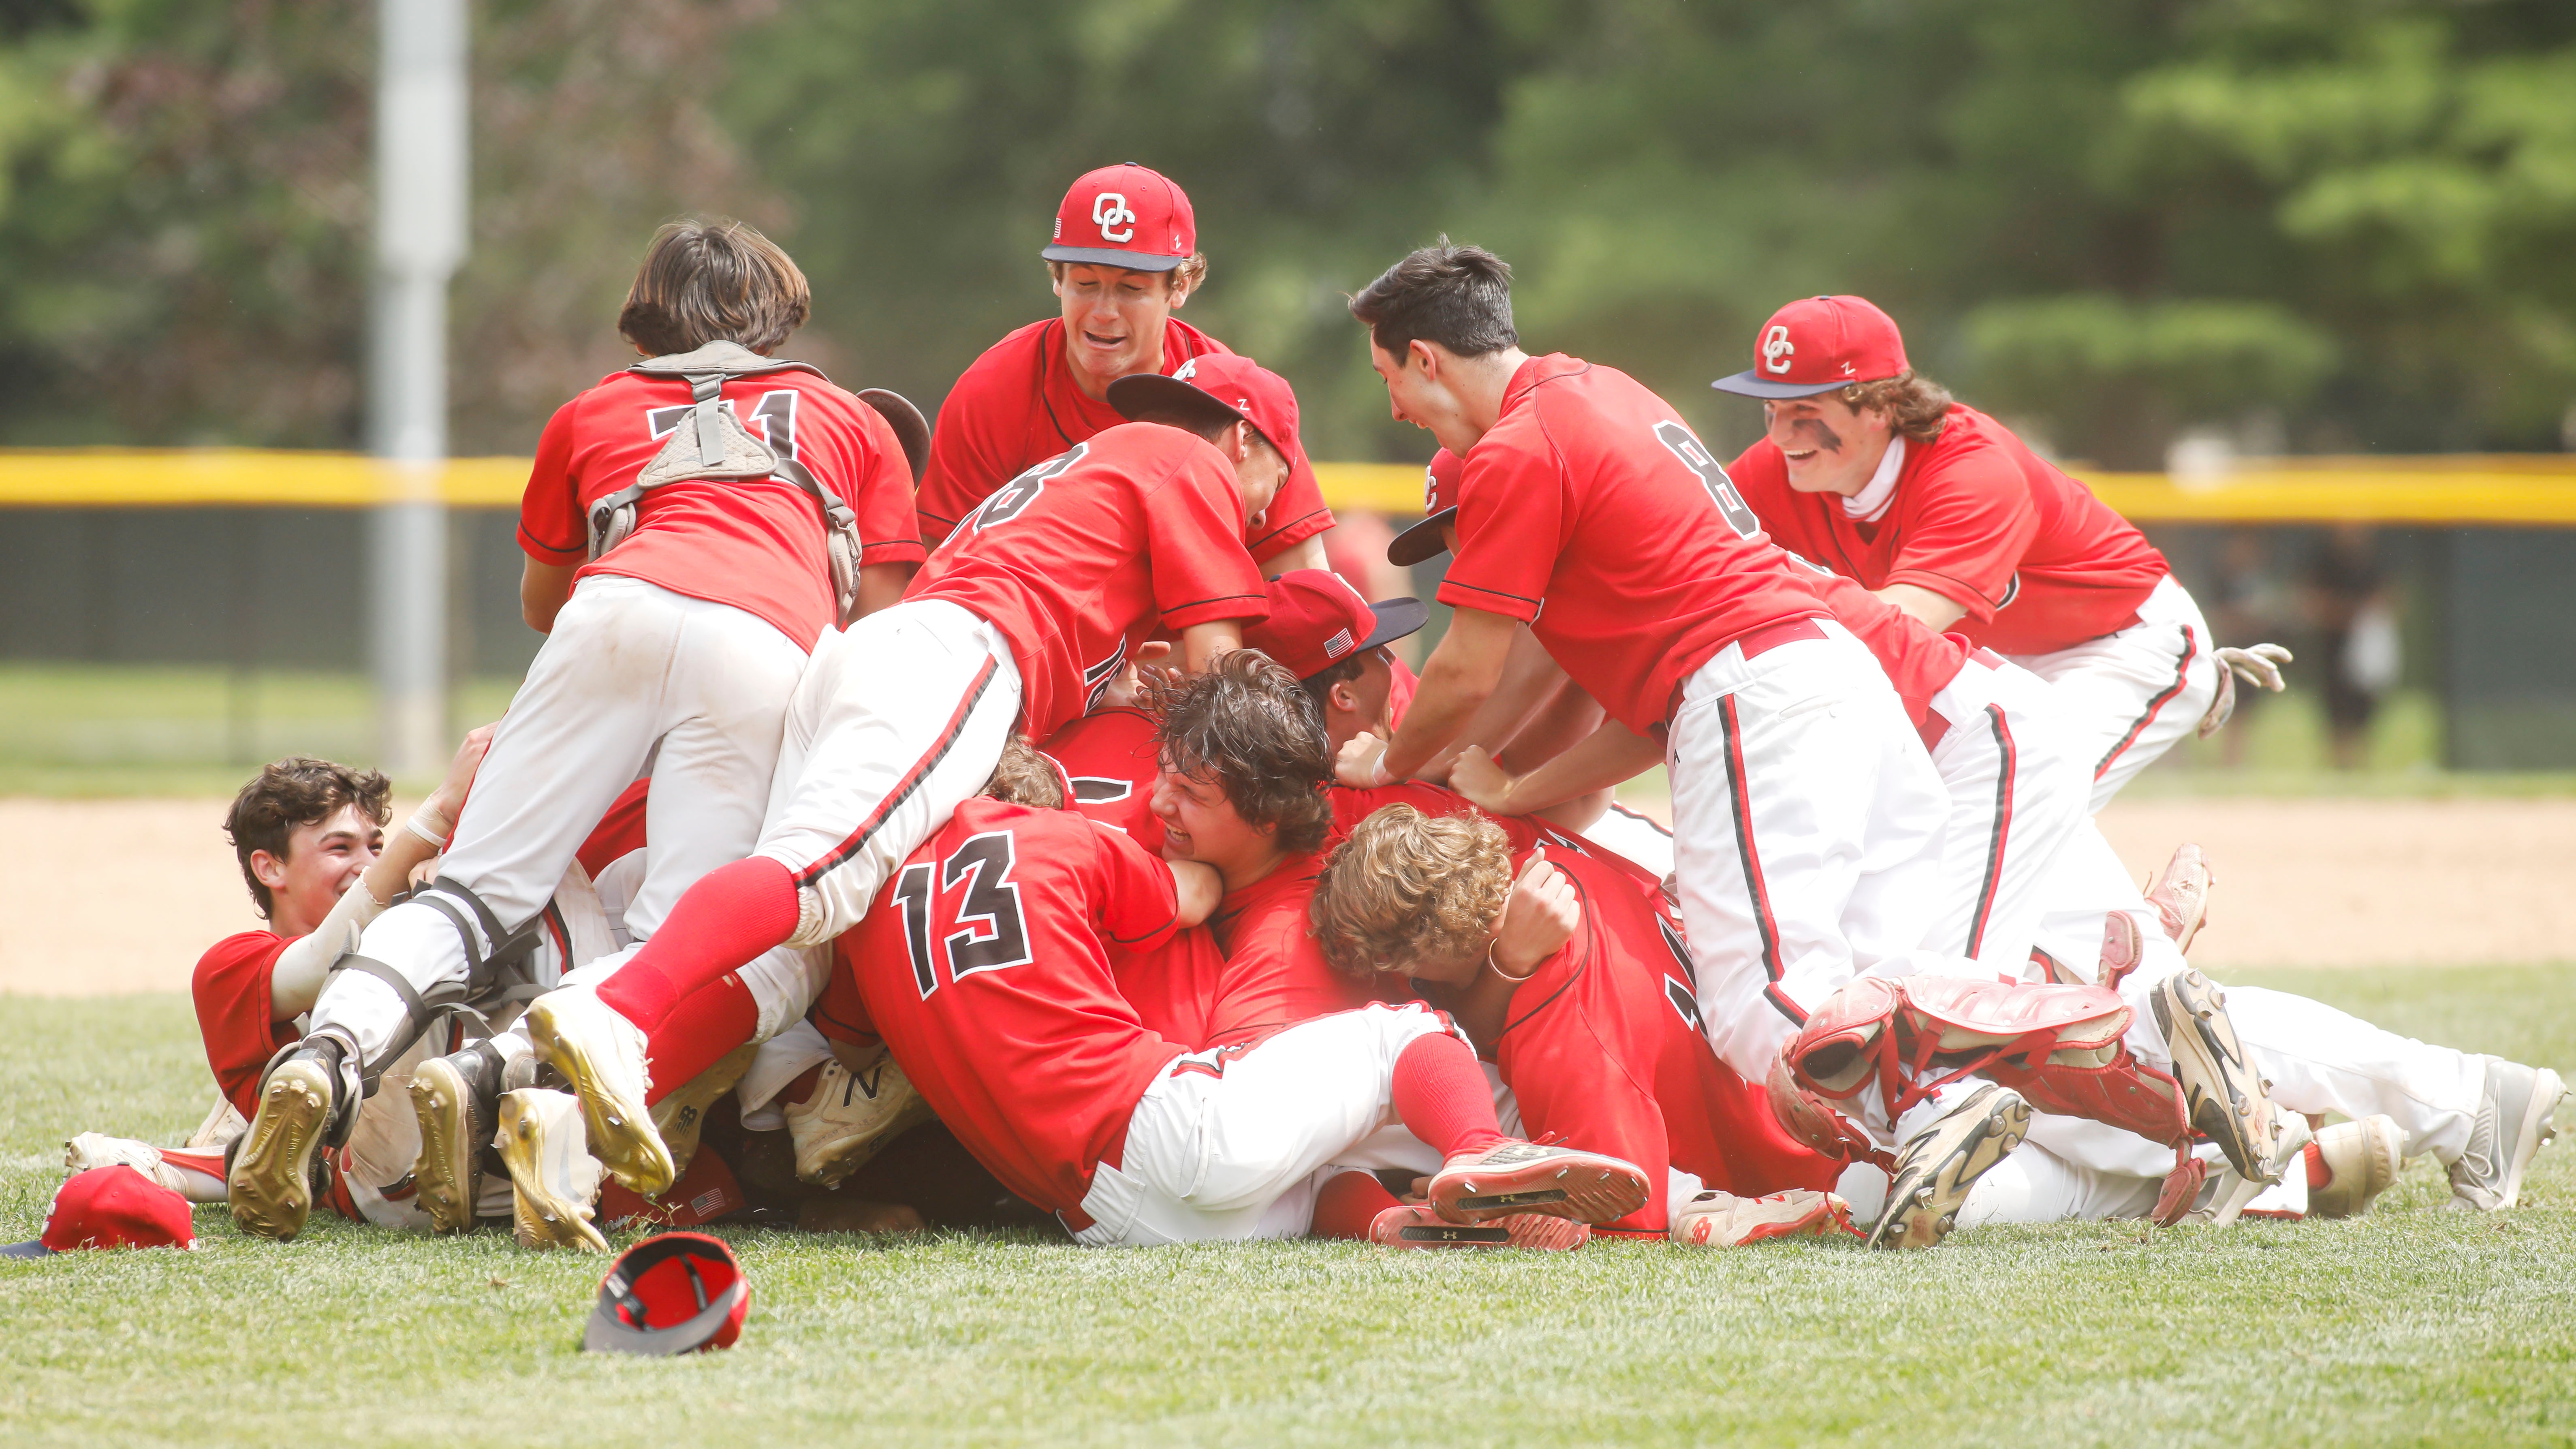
point(986, 971)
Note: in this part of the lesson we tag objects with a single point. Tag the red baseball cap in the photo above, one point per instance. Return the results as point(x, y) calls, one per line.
point(111, 1207)
point(1219, 382)
point(671, 1293)
point(1817, 344)
point(1317, 621)
point(1439, 506)
point(1125, 216)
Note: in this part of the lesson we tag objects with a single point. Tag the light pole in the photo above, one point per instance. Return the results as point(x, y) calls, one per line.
point(421, 163)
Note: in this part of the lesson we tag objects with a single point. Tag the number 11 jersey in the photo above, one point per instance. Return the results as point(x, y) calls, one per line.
point(1591, 513)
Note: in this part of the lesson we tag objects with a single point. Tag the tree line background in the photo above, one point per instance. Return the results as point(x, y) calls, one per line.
point(2316, 225)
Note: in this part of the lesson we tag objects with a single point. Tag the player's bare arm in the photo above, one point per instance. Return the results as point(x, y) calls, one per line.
point(1203, 644)
point(1459, 677)
point(1305, 553)
point(1530, 682)
point(1933, 611)
point(1199, 887)
point(881, 586)
point(544, 589)
point(1609, 756)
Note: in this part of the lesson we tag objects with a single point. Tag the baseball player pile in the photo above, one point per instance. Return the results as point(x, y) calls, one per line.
point(1022, 824)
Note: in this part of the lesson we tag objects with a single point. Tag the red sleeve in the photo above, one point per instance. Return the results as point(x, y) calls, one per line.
point(1194, 545)
point(889, 529)
point(1968, 520)
point(1139, 906)
point(619, 833)
point(839, 1013)
point(1511, 527)
point(982, 430)
point(235, 1013)
point(551, 529)
point(1296, 515)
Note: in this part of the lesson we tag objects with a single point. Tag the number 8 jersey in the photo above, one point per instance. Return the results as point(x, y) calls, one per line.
point(1590, 512)
point(986, 968)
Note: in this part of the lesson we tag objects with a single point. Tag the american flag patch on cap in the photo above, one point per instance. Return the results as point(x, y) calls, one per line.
point(1338, 645)
point(706, 1203)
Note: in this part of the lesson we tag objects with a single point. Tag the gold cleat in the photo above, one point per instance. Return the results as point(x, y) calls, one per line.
point(680, 1116)
point(450, 1170)
point(271, 1184)
point(601, 1054)
point(555, 1177)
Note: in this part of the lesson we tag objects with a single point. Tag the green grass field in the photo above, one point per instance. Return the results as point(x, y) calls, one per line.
point(2413, 1325)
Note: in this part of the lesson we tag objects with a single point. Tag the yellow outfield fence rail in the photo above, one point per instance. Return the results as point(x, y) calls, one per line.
point(2455, 490)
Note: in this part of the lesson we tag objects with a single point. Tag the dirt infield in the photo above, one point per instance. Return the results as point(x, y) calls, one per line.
point(105, 896)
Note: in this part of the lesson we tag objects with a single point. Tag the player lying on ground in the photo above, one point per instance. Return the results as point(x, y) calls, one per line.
point(1123, 258)
point(715, 554)
point(1870, 469)
point(1020, 621)
point(986, 971)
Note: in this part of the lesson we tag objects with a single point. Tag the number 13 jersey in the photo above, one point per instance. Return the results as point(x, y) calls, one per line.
point(986, 968)
point(1590, 512)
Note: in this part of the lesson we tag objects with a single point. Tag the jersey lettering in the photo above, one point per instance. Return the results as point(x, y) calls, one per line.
point(1721, 489)
point(913, 892)
point(994, 934)
point(1014, 497)
point(1101, 789)
point(772, 420)
point(1681, 951)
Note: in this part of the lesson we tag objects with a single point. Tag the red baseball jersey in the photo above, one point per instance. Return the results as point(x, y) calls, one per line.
point(755, 544)
point(1082, 558)
point(1593, 514)
point(2038, 562)
point(1918, 661)
point(1173, 986)
point(619, 833)
point(236, 1012)
point(1018, 406)
point(1604, 1045)
point(1275, 975)
point(1109, 755)
point(986, 968)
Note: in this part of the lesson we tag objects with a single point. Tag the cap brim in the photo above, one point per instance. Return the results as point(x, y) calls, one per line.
point(1112, 257)
point(1751, 384)
point(1395, 619)
point(1423, 540)
point(32, 1248)
point(1142, 396)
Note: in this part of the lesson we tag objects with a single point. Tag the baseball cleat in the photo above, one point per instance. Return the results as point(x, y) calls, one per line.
point(1513, 1176)
point(555, 1177)
point(2224, 1099)
point(680, 1116)
point(850, 1116)
point(2361, 1159)
point(2181, 894)
point(1414, 1225)
point(2229, 1193)
point(1936, 1169)
point(92, 1150)
point(458, 1101)
point(2513, 1122)
point(602, 1055)
point(1723, 1220)
point(271, 1183)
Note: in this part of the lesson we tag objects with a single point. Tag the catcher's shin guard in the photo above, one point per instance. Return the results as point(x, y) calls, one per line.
point(1812, 1120)
point(1910, 1037)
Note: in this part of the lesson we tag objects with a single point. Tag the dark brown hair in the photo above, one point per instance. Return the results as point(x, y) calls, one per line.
point(1023, 776)
point(713, 280)
point(1459, 297)
point(1319, 687)
point(1248, 724)
point(1917, 406)
point(295, 792)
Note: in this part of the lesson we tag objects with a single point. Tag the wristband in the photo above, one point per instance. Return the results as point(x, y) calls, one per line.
point(1497, 967)
point(1379, 778)
point(436, 842)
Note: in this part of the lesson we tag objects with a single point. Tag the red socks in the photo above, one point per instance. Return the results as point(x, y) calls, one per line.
point(711, 1022)
point(729, 917)
point(2318, 1173)
point(1442, 1095)
point(1349, 1204)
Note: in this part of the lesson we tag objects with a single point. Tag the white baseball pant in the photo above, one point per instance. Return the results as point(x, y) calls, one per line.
point(1226, 1145)
point(2017, 787)
point(1634, 838)
point(900, 719)
point(1807, 833)
point(2132, 694)
point(631, 673)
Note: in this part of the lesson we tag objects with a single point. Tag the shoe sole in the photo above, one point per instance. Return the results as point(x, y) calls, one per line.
point(1923, 1202)
point(447, 1174)
point(2374, 1168)
point(621, 1133)
point(679, 1117)
point(1585, 1187)
point(271, 1185)
point(2536, 1132)
point(831, 1163)
point(2209, 1054)
point(1824, 1219)
point(538, 1217)
point(1532, 1232)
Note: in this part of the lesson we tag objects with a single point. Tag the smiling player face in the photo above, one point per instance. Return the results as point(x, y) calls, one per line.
point(1113, 321)
point(1830, 447)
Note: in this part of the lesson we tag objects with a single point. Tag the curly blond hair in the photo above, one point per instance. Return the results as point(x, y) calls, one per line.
point(1408, 888)
point(1027, 776)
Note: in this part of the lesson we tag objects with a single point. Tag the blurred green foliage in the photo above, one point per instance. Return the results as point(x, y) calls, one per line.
point(2349, 223)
